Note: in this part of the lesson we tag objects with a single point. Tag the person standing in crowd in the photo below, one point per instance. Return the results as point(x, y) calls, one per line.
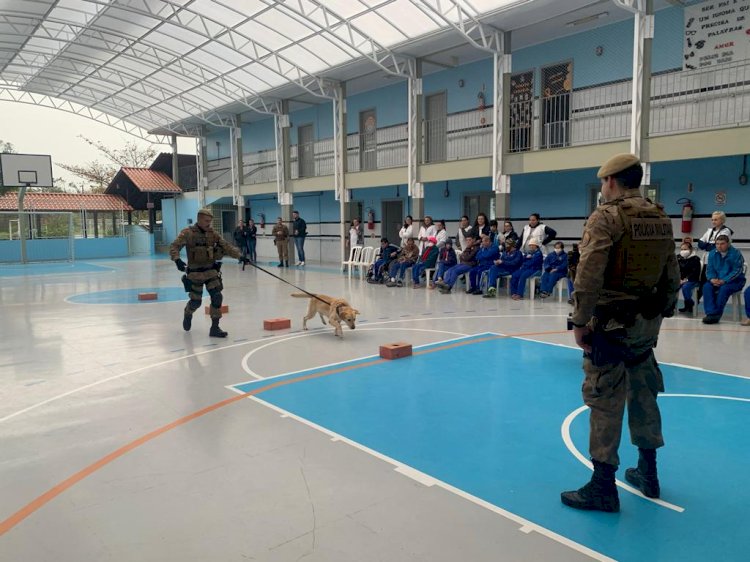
point(508, 233)
point(537, 229)
point(240, 239)
point(425, 231)
point(626, 282)
point(356, 234)
point(725, 276)
point(299, 230)
point(280, 234)
point(481, 227)
point(464, 230)
point(204, 248)
point(407, 230)
point(252, 240)
point(441, 234)
point(690, 274)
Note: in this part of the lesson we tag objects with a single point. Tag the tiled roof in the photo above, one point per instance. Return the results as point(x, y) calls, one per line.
point(35, 201)
point(150, 180)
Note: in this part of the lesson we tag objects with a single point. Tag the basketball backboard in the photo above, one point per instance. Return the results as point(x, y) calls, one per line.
point(19, 170)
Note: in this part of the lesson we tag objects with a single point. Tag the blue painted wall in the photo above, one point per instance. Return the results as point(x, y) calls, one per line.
point(90, 248)
point(222, 151)
point(321, 117)
point(477, 76)
point(616, 62)
point(258, 135)
point(84, 248)
point(175, 214)
point(389, 102)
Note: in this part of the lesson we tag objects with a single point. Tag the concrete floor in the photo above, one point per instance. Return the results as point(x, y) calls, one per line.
point(79, 382)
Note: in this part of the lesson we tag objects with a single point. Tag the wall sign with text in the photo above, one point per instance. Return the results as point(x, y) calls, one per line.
point(716, 32)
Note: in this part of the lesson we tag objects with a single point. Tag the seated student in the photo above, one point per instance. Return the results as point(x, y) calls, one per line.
point(446, 259)
point(690, 273)
point(574, 256)
point(725, 277)
point(388, 252)
point(530, 267)
point(507, 263)
point(407, 258)
point(746, 296)
point(466, 261)
point(485, 257)
point(426, 260)
point(555, 267)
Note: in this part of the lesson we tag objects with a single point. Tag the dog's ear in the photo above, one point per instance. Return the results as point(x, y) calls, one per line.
point(355, 311)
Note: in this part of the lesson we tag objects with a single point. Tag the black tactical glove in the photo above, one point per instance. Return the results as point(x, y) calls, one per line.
point(181, 265)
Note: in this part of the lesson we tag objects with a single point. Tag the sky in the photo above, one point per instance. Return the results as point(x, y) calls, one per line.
point(41, 130)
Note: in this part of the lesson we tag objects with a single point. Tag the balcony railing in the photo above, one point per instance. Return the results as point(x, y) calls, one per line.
point(681, 101)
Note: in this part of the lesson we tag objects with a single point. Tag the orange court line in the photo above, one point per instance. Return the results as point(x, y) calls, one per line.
point(58, 489)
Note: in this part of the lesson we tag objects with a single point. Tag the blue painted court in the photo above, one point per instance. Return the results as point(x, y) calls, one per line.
point(485, 415)
point(51, 268)
point(130, 296)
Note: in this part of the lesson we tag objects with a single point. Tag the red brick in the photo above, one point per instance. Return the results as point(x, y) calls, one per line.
point(224, 309)
point(277, 324)
point(395, 350)
point(147, 296)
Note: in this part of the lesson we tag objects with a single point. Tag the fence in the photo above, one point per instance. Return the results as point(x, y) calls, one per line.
point(33, 236)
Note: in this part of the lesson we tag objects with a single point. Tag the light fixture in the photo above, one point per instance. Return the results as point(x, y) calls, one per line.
point(587, 19)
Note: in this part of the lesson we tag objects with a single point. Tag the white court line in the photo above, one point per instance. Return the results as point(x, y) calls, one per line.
point(256, 376)
point(525, 525)
point(565, 432)
point(229, 346)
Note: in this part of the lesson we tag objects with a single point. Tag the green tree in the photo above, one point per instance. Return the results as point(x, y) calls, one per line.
point(97, 174)
point(7, 146)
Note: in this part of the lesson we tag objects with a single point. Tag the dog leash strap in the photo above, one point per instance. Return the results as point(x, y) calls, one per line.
point(287, 282)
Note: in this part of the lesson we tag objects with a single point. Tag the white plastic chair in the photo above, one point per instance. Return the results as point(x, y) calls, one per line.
point(366, 259)
point(354, 253)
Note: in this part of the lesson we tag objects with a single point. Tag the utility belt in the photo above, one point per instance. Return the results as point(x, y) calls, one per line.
point(215, 265)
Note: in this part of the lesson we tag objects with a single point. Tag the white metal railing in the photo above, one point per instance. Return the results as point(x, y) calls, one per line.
point(681, 101)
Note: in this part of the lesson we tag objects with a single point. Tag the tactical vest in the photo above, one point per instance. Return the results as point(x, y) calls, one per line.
point(638, 259)
point(203, 248)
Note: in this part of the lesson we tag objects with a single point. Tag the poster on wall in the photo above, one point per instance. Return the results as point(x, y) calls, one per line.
point(521, 99)
point(716, 32)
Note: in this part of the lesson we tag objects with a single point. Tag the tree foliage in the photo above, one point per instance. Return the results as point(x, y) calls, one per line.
point(97, 174)
point(7, 146)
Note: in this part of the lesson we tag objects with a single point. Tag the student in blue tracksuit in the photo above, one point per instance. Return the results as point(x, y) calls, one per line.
point(746, 296)
point(485, 257)
point(555, 267)
point(725, 277)
point(388, 252)
point(507, 264)
point(446, 259)
point(530, 267)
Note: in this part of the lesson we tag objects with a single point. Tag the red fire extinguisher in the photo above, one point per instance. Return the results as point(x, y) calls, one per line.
point(687, 215)
point(370, 220)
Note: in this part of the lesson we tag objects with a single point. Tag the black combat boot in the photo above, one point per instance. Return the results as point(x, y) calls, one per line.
point(644, 476)
point(187, 321)
point(599, 494)
point(286, 263)
point(216, 332)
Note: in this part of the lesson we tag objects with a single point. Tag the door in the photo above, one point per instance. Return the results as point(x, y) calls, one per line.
point(479, 203)
point(228, 224)
point(436, 127)
point(557, 84)
point(392, 220)
point(368, 141)
point(306, 151)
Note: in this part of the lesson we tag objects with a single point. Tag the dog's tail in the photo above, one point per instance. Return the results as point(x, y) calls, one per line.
point(301, 296)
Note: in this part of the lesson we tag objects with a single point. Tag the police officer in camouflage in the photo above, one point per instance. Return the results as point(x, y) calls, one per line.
point(626, 282)
point(204, 249)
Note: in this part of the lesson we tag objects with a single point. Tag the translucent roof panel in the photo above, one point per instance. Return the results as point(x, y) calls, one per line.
point(161, 61)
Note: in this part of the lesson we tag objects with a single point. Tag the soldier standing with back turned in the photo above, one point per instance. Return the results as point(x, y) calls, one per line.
point(626, 282)
point(204, 250)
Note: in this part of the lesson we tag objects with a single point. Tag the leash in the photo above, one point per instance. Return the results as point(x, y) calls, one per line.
point(313, 295)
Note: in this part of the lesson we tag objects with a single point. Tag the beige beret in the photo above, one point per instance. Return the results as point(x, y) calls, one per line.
point(617, 163)
point(206, 212)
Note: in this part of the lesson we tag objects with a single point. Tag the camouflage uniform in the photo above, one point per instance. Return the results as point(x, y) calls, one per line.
point(627, 270)
point(626, 282)
point(280, 232)
point(204, 250)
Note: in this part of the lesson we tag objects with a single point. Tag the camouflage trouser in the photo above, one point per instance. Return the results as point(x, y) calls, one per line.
point(282, 247)
point(634, 379)
point(212, 280)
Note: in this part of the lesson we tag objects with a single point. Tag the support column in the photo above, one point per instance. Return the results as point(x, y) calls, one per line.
point(415, 188)
point(500, 122)
point(339, 156)
point(201, 164)
point(641, 109)
point(22, 221)
point(235, 153)
point(175, 162)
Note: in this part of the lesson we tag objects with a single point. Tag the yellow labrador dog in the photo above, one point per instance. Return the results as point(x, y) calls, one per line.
point(336, 310)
